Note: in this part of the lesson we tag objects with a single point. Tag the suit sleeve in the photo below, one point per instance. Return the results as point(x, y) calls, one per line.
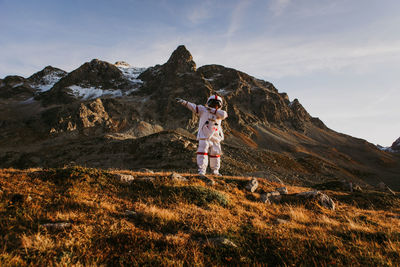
point(191, 106)
point(221, 114)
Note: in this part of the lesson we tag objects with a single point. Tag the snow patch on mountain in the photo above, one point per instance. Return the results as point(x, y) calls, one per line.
point(28, 101)
point(387, 148)
point(87, 93)
point(131, 73)
point(48, 81)
point(223, 92)
point(16, 85)
point(394, 148)
point(92, 92)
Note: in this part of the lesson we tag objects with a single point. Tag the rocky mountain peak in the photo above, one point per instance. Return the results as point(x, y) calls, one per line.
point(15, 85)
point(93, 75)
point(13, 80)
point(181, 60)
point(46, 78)
point(101, 67)
point(396, 145)
point(122, 64)
point(93, 71)
point(46, 71)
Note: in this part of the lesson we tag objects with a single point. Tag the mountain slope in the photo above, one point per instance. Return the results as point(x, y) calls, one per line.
point(129, 119)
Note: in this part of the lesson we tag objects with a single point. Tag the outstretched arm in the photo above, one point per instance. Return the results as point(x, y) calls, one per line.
point(193, 107)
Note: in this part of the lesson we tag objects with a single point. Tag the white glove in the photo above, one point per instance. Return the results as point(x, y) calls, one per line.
point(180, 100)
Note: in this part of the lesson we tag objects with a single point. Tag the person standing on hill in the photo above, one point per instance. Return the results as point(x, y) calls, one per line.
point(210, 133)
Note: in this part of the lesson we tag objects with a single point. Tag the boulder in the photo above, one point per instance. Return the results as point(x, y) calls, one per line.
point(146, 170)
point(222, 242)
point(281, 221)
point(177, 177)
point(357, 188)
point(130, 213)
point(271, 197)
point(252, 185)
point(322, 198)
point(282, 190)
point(126, 178)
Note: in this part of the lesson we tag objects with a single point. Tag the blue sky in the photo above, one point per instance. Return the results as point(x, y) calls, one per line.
point(340, 58)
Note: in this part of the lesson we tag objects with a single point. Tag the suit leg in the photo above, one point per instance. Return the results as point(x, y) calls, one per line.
point(215, 157)
point(202, 156)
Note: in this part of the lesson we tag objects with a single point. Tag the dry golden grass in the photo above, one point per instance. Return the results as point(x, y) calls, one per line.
point(173, 222)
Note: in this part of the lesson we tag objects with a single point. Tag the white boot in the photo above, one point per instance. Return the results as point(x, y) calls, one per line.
point(215, 164)
point(216, 173)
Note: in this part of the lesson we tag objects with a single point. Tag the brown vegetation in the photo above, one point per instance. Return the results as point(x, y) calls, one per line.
point(167, 222)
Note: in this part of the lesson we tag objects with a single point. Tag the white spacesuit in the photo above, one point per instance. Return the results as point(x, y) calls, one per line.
point(210, 132)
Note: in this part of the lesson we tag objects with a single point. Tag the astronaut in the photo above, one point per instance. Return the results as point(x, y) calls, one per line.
point(210, 133)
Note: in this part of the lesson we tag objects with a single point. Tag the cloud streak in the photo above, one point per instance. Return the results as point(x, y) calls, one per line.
point(237, 17)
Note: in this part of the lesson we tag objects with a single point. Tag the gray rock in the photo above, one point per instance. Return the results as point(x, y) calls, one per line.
point(282, 190)
point(281, 221)
point(322, 198)
point(130, 213)
point(252, 185)
point(177, 177)
point(357, 188)
point(126, 178)
point(271, 197)
point(146, 170)
point(327, 202)
point(222, 242)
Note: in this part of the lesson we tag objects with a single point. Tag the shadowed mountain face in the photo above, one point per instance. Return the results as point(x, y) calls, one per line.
point(106, 115)
point(396, 145)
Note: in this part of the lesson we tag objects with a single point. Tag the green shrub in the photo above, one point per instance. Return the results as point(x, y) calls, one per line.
point(202, 196)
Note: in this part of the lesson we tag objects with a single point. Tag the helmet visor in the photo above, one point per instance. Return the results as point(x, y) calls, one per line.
point(213, 103)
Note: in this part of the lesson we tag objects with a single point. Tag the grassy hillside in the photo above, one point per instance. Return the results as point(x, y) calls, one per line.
point(170, 222)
